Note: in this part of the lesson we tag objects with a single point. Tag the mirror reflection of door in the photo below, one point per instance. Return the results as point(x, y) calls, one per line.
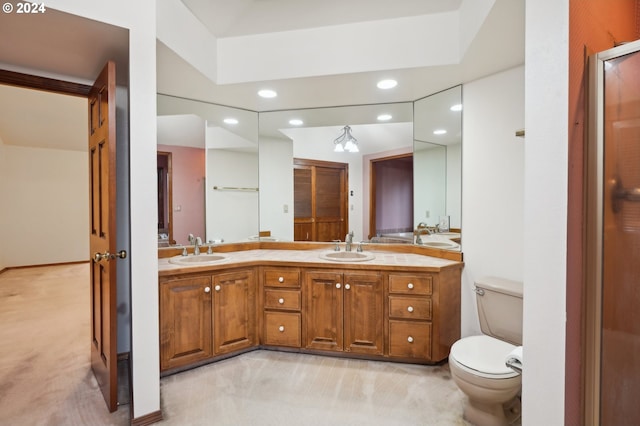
point(165, 197)
point(320, 200)
point(391, 210)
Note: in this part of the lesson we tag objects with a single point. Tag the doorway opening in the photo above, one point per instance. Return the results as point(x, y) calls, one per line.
point(391, 199)
point(165, 200)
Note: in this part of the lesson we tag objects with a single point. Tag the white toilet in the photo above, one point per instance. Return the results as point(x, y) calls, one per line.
point(477, 363)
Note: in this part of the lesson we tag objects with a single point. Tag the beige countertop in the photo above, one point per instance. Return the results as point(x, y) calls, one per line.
point(311, 258)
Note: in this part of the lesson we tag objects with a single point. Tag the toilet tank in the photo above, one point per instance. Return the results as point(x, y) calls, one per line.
point(500, 308)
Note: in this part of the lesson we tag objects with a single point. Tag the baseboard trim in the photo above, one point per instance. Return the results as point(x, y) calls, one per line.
point(8, 268)
point(147, 419)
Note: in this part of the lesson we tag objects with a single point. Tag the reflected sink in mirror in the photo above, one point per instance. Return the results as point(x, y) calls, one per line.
point(347, 256)
point(449, 235)
point(443, 244)
point(201, 259)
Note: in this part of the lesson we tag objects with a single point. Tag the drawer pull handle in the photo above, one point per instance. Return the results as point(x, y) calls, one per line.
point(410, 286)
point(410, 339)
point(281, 328)
point(217, 288)
point(338, 285)
point(347, 286)
point(207, 289)
point(410, 309)
point(281, 279)
point(281, 301)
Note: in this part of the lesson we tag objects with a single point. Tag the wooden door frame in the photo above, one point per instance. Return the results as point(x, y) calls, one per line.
point(29, 81)
point(169, 203)
point(372, 189)
point(304, 162)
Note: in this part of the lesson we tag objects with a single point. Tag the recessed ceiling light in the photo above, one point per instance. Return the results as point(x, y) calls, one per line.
point(456, 107)
point(296, 122)
point(439, 132)
point(230, 120)
point(267, 93)
point(387, 84)
point(384, 117)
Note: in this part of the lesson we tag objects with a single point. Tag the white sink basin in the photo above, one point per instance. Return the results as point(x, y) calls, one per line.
point(347, 256)
point(201, 259)
point(449, 235)
point(441, 244)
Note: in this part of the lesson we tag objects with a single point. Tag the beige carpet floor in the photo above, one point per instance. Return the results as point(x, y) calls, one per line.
point(45, 377)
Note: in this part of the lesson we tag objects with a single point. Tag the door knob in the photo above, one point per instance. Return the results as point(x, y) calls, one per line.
point(122, 254)
point(100, 256)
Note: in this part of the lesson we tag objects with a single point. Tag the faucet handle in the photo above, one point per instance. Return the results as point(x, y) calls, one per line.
point(337, 247)
point(359, 249)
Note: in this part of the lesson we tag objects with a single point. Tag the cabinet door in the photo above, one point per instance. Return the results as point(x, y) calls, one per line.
point(185, 321)
point(234, 310)
point(323, 311)
point(363, 313)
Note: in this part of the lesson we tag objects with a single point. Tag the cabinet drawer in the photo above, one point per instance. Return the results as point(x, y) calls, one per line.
point(282, 278)
point(282, 329)
point(410, 307)
point(410, 339)
point(282, 299)
point(411, 284)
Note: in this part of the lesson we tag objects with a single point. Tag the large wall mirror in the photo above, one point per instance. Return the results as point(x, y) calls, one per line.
point(438, 160)
point(210, 154)
point(406, 172)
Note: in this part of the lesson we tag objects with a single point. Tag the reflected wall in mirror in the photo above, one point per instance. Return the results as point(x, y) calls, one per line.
point(438, 159)
point(214, 164)
point(382, 131)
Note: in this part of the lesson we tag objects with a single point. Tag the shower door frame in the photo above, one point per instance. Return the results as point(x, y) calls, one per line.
point(594, 232)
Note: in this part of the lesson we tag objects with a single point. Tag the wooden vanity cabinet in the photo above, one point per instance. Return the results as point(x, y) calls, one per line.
point(423, 315)
point(234, 311)
point(185, 321)
point(282, 304)
point(344, 311)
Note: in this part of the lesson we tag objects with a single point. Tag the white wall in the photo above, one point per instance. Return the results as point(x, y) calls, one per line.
point(45, 217)
point(454, 184)
point(231, 215)
point(430, 175)
point(140, 18)
point(545, 248)
point(492, 184)
point(276, 187)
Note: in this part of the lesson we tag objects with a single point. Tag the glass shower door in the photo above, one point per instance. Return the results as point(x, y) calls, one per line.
point(620, 317)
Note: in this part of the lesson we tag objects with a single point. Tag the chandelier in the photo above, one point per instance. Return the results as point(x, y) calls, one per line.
point(345, 142)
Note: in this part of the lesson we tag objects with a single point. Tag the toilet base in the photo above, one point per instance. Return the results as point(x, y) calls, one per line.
point(483, 414)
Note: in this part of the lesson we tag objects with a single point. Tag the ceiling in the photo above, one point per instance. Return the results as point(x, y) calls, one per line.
point(69, 47)
point(225, 18)
point(497, 46)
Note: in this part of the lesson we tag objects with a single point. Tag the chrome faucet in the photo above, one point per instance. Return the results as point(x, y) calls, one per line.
point(348, 240)
point(197, 242)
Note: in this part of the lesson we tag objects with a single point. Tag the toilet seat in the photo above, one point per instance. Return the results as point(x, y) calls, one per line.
point(483, 356)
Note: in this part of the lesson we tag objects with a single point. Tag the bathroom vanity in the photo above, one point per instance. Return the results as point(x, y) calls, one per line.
point(402, 305)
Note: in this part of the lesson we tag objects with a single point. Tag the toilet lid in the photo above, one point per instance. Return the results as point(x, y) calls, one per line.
point(483, 354)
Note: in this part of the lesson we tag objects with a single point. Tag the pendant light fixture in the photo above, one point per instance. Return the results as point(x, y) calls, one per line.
point(345, 142)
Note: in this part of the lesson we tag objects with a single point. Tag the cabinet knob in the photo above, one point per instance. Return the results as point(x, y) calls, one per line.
point(281, 328)
point(410, 309)
point(207, 289)
point(217, 288)
point(410, 286)
point(281, 301)
point(338, 285)
point(281, 279)
point(347, 286)
point(410, 339)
